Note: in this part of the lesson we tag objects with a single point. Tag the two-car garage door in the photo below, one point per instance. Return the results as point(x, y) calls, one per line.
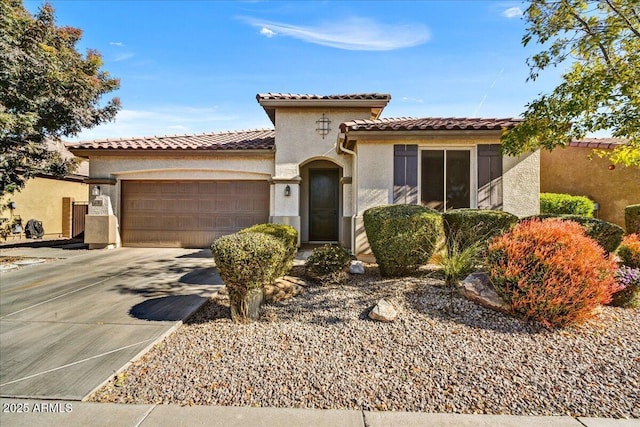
point(189, 214)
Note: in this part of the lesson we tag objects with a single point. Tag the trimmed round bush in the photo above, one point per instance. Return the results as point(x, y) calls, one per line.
point(402, 237)
point(286, 234)
point(607, 234)
point(566, 204)
point(629, 250)
point(550, 271)
point(328, 264)
point(247, 260)
point(466, 227)
point(632, 219)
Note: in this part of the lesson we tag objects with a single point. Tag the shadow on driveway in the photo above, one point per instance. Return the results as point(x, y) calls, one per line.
point(170, 308)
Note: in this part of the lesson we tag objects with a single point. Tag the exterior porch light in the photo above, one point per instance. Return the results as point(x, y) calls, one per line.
point(95, 191)
point(323, 125)
point(287, 191)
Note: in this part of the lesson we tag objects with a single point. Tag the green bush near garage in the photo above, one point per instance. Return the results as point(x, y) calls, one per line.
point(402, 237)
point(285, 234)
point(246, 263)
point(566, 204)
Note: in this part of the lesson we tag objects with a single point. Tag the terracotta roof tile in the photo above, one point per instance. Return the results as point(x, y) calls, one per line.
point(600, 143)
point(294, 96)
point(260, 139)
point(429, 123)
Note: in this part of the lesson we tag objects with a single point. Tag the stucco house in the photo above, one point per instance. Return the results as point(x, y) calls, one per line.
point(327, 160)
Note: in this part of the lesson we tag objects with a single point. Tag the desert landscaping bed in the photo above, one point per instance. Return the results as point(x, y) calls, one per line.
point(443, 354)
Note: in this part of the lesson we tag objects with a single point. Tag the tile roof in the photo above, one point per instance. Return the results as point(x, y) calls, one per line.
point(600, 143)
point(428, 123)
point(292, 96)
point(259, 139)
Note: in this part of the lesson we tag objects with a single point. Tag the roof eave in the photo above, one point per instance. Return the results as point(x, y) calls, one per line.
point(88, 152)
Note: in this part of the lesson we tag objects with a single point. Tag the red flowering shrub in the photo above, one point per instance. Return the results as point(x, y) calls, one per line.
point(629, 250)
point(551, 271)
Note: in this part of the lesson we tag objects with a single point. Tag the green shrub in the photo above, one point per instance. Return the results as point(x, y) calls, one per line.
point(247, 260)
point(402, 237)
point(466, 227)
point(551, 271)
point(629, 250)
point(607, 234)
point(632, 219)
point(286, 234)
point(566, 204)
point(328, 264)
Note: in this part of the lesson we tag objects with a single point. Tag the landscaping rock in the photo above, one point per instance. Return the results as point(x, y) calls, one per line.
point(477, 288)
point(356, 267)
point(284, 288)
point(384, 311)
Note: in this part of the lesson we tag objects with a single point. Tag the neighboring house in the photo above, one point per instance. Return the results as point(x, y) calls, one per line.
point(328, 159)
point(569, 170)
point(50, 199)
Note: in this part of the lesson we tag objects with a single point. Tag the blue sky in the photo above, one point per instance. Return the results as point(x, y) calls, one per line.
point(196, 66)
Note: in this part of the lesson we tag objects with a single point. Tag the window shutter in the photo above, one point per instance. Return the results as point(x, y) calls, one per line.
point(489, 176)
point(405, 174)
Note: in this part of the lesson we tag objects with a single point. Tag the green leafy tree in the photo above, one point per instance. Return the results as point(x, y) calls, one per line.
point(47, 90)
point(600, 39)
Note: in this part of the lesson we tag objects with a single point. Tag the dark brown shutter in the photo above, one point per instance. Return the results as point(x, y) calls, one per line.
point(489, 176)
point(405, 174)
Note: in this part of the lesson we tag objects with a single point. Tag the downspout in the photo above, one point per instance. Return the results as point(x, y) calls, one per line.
point(342, 140)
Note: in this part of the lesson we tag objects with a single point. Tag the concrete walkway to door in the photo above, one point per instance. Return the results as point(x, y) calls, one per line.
point(69, 324)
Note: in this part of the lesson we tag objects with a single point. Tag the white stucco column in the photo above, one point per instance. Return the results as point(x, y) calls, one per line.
point(286, 202)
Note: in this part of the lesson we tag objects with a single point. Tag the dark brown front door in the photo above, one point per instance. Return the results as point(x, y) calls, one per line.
point(323, 204)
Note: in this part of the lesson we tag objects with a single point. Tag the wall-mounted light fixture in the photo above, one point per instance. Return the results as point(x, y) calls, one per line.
point(323, 125)
point(287, 191)
point(95, 191)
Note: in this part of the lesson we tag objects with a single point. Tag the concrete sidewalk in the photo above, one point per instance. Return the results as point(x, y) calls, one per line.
point(71, 414)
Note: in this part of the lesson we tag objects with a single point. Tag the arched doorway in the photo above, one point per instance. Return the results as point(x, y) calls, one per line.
point(321, 201)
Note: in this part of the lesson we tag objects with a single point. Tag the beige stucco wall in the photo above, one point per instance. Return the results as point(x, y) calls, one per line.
point(570, 171)
point(41, 199)
point(521, 184)
point(374, 174)
point(298, 146)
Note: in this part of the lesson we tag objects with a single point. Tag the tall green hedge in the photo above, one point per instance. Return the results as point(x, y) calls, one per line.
point(566, 204)
point(402, 237)
point(285, 234)
point(465, 227)
point(607, 234)
point(632, 219)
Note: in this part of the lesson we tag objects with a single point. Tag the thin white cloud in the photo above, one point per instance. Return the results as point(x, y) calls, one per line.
point(116, 43)
point(123, 56)
point(415, 100)
point(350, 34)
point(169, 120)
point(267, 32)
point(512, 12)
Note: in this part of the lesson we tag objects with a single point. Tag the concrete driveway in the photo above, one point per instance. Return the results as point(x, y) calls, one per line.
point(68, 325)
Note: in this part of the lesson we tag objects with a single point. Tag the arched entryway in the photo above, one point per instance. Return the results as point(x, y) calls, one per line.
point(321, 201)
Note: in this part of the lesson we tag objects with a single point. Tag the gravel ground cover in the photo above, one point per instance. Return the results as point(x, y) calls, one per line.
point(443, 354)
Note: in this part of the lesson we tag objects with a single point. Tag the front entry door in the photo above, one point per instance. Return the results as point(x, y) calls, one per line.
point(323, 204)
